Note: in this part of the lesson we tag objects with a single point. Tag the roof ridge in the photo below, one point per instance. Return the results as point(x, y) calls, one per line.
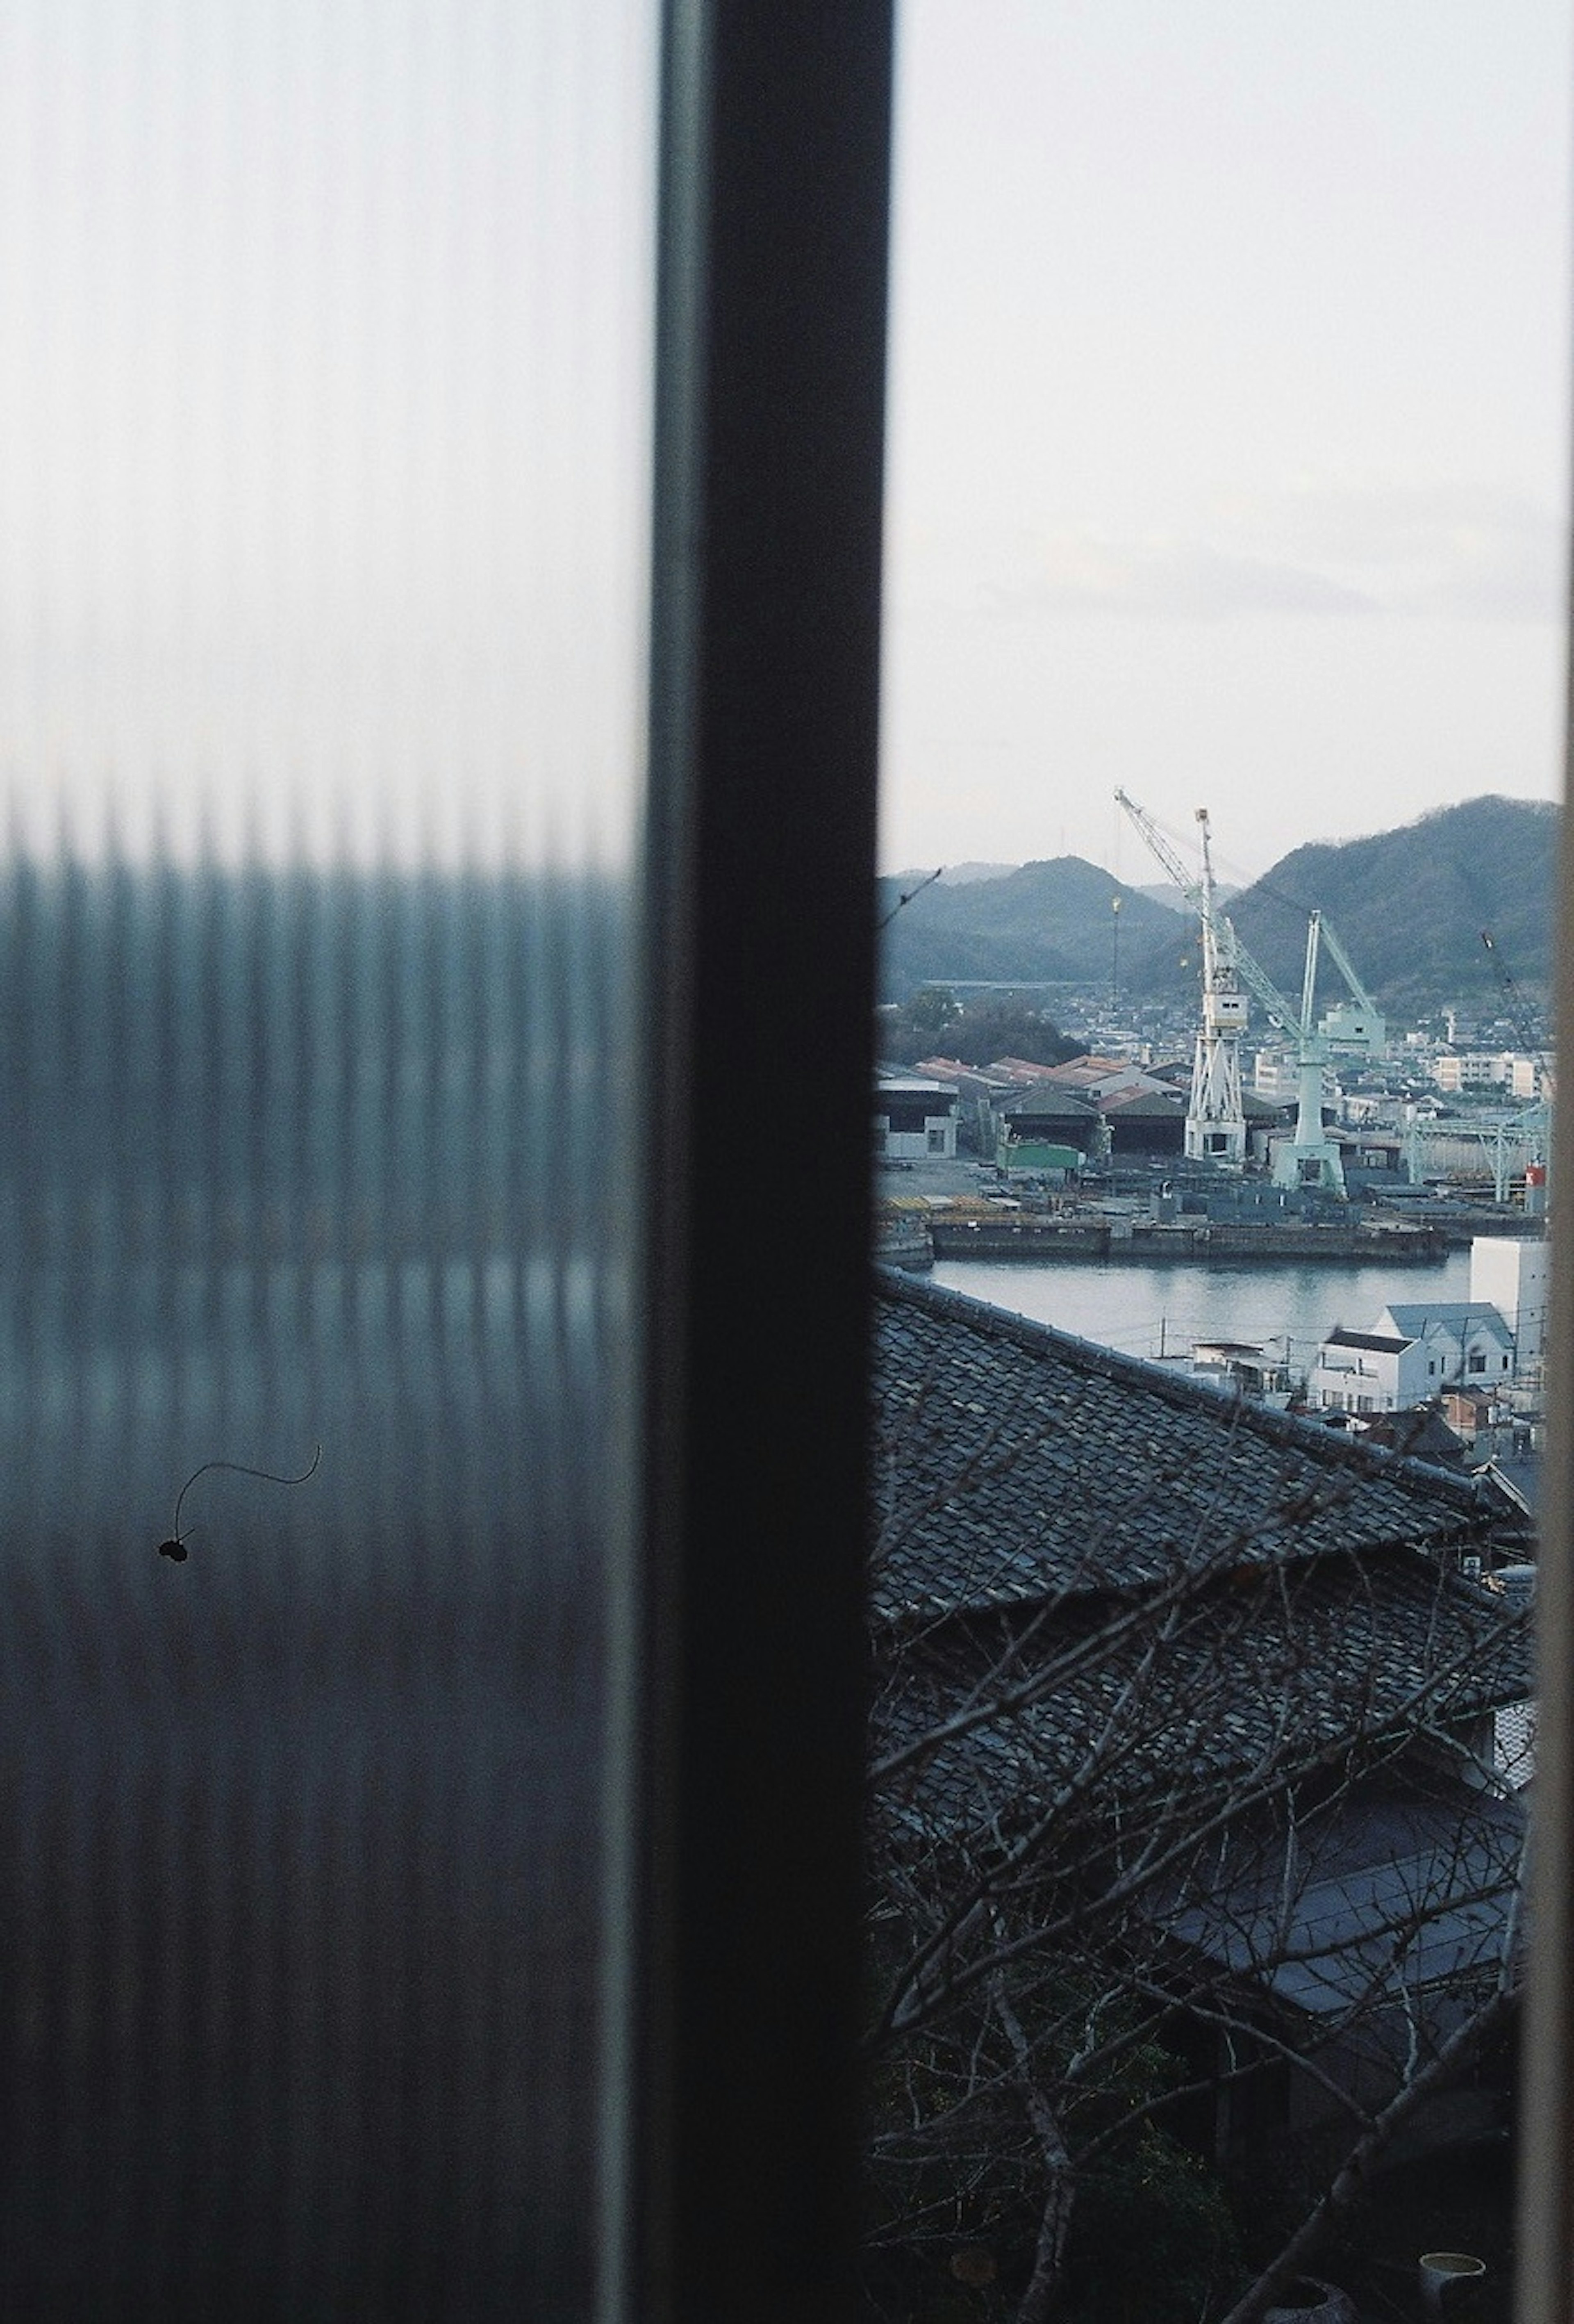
point(1311, 1437)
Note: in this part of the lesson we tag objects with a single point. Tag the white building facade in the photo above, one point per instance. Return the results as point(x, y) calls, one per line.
point(1513, 1070)
point(1517, 1277)
point(1410, 1354)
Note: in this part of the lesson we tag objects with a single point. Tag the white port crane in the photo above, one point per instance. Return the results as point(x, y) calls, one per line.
point(1312, 1159)
point(1215, 1115)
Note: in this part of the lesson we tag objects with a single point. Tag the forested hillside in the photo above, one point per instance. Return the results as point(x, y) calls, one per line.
point(1410, 905)
point(1043, 921)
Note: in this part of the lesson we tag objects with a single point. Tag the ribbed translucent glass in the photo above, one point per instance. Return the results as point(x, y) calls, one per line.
point(323, 482)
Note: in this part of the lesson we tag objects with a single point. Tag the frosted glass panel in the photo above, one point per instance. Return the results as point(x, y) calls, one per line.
point(322, 529)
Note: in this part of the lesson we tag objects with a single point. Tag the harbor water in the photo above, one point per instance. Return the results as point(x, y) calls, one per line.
point(1161, 1310)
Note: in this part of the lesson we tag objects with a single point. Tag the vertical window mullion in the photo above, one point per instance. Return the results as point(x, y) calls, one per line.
point(733, 2010)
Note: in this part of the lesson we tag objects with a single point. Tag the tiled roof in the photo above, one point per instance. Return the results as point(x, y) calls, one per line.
point(1049, 1105)
point(1091, 1066)
point(960, 1075)
point(1143, 1104)
point(1415, 1318)
point(1117, 1619)
point(1016, 1463)
point(1256, 1678)
point(1391, 1858)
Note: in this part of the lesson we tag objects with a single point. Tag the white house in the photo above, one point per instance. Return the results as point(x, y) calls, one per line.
point(1411, 1353)
point(1358, 1372)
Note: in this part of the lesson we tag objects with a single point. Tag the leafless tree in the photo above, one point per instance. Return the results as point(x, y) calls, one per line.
point(1152, 1837)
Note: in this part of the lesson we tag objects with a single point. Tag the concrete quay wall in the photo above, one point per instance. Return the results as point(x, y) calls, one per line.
point(1199, 1240)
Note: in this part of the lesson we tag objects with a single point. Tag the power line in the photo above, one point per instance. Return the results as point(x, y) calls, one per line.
point(908, 898)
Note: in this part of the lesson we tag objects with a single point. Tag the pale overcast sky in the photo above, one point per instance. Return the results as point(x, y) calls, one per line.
point(324, 413)
point(1229, 436)
point(1229, 420)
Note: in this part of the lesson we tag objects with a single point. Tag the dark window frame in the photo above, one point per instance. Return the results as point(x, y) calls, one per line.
point(731, 2090)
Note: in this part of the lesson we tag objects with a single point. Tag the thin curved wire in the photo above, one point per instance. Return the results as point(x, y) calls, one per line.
point(240, 1470)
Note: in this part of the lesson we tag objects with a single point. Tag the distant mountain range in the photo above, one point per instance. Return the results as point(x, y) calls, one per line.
point(1410, 907)
point(1043, 923)
point(1173, 898)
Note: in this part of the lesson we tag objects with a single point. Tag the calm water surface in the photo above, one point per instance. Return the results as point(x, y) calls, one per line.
point(1150, 1311)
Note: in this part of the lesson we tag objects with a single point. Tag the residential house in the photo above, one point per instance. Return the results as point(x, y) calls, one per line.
point(1473, 1413)
point(1410, 1355)
point(1361, 1371)
point(1423, 1431)
point(1240, 1368)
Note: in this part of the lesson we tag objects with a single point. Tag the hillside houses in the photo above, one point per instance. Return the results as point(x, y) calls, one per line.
point(1515, 1072)
point(1183, 1734)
